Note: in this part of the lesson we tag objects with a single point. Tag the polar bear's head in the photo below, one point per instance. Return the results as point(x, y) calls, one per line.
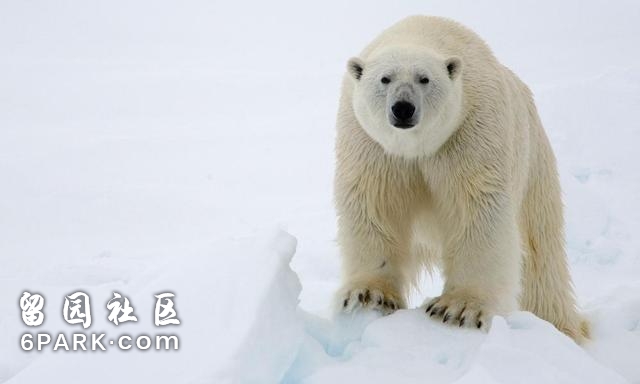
point(408, 99)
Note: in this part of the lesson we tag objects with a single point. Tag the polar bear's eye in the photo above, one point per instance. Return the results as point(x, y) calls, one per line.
point(424, 80)
point(385, 80)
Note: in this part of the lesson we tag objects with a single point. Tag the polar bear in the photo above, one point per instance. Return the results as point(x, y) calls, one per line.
point(442, 161)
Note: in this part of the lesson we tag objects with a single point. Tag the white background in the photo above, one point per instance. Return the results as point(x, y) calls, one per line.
point(144, 144)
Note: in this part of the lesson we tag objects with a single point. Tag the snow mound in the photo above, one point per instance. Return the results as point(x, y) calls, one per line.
point(289, 345)
point(241, 323)
point(253, 295)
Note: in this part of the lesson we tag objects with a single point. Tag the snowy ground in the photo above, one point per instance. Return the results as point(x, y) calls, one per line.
point(152, 146)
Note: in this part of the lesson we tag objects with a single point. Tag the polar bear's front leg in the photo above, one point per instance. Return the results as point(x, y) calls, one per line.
point(481, 263)
point(374, 260)
point(374, 268)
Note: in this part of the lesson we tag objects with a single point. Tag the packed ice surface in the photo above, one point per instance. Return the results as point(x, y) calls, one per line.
point(269, 339)
point(152, 146)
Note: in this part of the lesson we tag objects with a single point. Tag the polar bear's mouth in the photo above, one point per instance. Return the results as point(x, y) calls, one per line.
point(403, 125)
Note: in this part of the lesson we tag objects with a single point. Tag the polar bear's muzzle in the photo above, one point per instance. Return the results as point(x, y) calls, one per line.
point(403, 114)
point(403, 111)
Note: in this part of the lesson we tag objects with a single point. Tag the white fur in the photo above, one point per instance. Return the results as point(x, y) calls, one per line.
point(471, 188)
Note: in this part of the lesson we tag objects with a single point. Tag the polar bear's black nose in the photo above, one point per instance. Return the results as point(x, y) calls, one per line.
point(403, 112)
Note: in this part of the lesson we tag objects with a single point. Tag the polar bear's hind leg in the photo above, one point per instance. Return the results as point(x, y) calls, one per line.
point(547, 289)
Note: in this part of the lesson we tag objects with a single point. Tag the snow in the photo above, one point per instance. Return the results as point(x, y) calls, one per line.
point(153, 147)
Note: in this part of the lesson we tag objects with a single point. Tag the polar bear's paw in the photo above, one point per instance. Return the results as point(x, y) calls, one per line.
point(367, 298)
point(460, 311)
point(373, 298)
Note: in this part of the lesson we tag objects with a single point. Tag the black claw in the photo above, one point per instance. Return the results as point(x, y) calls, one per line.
point(429, 307)
point(393, 306)
point(361, 297)
point(479, 324)
point(379, 301)
point(367, 297)
point(462, 322)
point(446, 318)
point(346, 302)
point(432, 313)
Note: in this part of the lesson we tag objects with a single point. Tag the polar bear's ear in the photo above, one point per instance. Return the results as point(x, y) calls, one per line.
point(355, 66)
point(454, 67)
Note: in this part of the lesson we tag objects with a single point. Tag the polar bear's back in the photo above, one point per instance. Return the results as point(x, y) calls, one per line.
point(444, 36)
